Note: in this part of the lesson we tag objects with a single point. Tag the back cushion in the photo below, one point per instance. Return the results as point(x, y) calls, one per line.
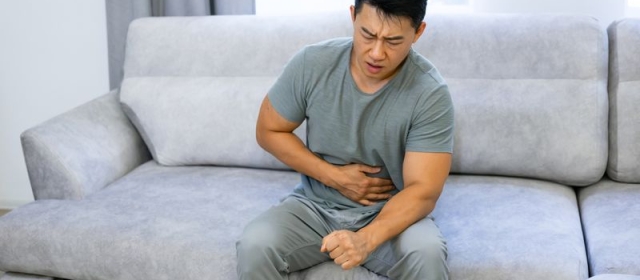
point(193, 85)
point(624, 94)
point(529, 91)
point(199, 120)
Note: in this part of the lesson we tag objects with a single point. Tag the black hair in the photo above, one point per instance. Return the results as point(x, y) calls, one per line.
point(412, 9)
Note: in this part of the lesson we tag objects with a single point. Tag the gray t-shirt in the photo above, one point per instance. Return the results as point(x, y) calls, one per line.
point(412, 112)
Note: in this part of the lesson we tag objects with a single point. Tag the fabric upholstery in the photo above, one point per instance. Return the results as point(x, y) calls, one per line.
point(615, 277)
point(200, 120)
point(81, 151)
point(610, 218)
point(624, 98)
point(224, 46)
point(530, 93)
point(507, 228)
point(155, 223)
point(139, 224)
point(19, 276)
point(556, 74)
point(206, 78)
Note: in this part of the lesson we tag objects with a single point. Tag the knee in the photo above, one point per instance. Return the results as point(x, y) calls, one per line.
point(256, 246)
point(256, 240)
point(433, 255)
point(422, 260)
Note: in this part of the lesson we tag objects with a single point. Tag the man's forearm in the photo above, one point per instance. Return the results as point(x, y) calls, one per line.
point(288, 148)
point(400, 212)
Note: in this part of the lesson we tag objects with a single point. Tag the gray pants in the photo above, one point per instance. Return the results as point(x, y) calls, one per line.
point(287, 238)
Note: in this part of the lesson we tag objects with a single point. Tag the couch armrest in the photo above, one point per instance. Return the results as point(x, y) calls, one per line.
point(83, 150)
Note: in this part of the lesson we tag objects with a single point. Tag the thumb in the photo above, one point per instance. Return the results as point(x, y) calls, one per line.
point(323, 248)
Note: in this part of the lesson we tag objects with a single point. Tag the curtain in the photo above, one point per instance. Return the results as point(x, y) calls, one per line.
point(120, 13)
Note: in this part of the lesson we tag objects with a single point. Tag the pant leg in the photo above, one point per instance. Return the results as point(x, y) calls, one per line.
point(420, 252)
point(284, 239)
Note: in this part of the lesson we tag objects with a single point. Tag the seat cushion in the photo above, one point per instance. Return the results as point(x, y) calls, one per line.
point(155, 223)
point(611, 218)
point(508, 228)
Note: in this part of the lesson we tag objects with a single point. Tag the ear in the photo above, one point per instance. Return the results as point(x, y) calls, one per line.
point(420, 30)
point(352, 8)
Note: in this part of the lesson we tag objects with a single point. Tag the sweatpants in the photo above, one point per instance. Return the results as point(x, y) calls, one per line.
point(287, 238)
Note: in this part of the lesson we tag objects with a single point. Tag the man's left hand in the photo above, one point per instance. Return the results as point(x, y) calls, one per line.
point(347, 248)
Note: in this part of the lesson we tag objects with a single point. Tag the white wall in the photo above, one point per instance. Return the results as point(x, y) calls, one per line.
point(53, 57)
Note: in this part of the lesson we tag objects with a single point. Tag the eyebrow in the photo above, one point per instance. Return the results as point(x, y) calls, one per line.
point(393, 38)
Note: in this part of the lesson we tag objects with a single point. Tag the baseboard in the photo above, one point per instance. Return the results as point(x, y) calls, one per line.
point(11, 204)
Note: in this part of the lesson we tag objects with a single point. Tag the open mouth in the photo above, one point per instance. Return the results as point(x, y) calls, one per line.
point(374, 69)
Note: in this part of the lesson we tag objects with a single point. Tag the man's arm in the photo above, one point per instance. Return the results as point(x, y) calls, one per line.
point(274, 133)
point(424, 176)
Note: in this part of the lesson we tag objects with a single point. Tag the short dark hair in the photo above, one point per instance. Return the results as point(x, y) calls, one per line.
point(412, 9)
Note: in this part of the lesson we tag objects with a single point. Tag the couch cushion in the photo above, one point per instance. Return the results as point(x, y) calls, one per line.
point(224, 46)
point(193, 85)
point(156, 223)
point(530, 93)
point(505, 228)
point(200, 120)
point(511, 76)
point(624, 98)
point(611, 218)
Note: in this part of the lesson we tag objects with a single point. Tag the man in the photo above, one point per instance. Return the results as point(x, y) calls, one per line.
point(379, 142)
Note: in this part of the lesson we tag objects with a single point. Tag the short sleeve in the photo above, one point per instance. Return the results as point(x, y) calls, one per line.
point(432, 123)
point(288, 94)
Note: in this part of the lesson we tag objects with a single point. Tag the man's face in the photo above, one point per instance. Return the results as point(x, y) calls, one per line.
point(380, 44)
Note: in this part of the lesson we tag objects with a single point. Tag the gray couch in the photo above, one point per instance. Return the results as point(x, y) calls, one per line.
point(157, 179)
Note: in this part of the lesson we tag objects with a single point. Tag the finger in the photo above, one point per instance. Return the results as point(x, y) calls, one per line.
point(341, 259)
point(368, 169)
point(336, 253)
point(329, 243)
point(380, 182)
point(349, 265)
point(378, 196)
point(366, 202)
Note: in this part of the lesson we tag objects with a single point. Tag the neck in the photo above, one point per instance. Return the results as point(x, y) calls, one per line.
point(367, 84)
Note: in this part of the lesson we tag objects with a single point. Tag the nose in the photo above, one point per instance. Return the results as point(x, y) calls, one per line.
point(377, 51)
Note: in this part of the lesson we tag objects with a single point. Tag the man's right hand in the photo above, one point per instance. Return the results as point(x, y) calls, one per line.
point(352, 181)
point(274, 133)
